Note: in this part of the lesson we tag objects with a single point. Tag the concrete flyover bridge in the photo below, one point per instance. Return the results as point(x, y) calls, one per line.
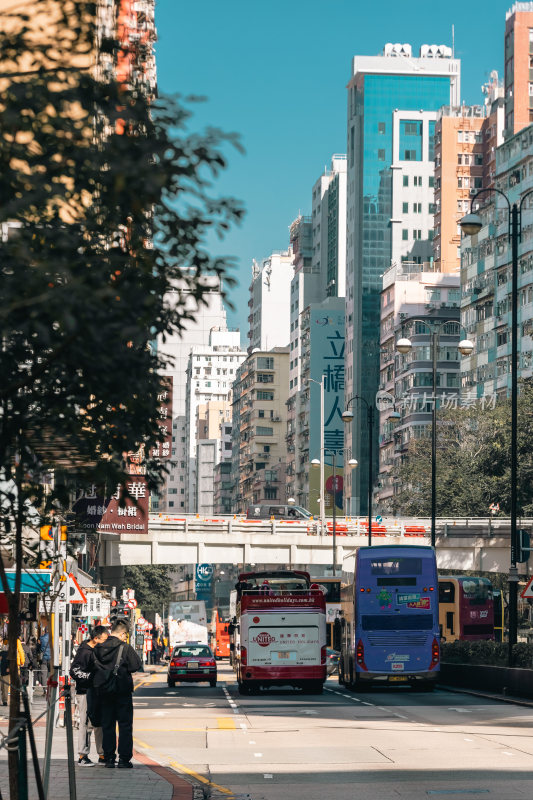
point(462, 544)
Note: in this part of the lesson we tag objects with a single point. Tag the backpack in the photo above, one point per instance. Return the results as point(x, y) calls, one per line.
point(105, 678)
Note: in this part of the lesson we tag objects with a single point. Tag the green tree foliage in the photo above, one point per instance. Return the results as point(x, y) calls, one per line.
point(107, 198)
point(152, 584)
point(473, 462)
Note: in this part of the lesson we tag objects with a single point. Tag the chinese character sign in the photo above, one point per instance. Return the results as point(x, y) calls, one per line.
point(163, 450)
point(327, 359)
point(106, 515)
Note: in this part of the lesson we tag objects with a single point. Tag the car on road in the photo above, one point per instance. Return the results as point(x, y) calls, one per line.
point(332, 661)
point(192, 662)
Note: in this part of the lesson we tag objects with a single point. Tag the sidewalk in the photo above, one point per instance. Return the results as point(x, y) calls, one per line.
point(146, 781)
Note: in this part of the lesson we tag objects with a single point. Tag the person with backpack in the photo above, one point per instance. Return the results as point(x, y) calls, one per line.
point(115, 662)
point(81, 671)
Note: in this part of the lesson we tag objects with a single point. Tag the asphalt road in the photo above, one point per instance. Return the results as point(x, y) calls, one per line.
point(286, 745)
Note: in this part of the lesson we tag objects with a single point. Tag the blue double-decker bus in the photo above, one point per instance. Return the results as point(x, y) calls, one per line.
point(390, 618)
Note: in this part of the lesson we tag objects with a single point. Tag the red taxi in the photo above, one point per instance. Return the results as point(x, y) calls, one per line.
point(192, 663)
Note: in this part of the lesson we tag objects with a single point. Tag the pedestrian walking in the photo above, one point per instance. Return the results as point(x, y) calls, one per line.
point(46, 657)
point(115, 662)
point(81, 671)
point(4, 671)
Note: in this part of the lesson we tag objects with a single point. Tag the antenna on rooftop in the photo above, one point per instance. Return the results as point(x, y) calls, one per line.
point(453, 41)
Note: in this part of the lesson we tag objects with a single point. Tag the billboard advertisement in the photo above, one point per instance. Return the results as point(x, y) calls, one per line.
point(327, 359)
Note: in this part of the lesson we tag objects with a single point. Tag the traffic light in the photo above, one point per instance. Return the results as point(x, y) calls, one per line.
point(46, 547)
point(118, 610)
point(524, 546)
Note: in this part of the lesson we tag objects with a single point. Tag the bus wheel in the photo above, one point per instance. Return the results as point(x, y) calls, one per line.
point(244, 688)
point(425, 686)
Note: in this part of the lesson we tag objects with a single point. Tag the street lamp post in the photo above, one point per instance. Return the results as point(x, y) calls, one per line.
point(320, 463)
point(347, 417)
point(471, 225)
point(465, 347)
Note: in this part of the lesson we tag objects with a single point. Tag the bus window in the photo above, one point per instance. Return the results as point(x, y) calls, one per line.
point(396, 566)
point(446, 592)
point(449, 622)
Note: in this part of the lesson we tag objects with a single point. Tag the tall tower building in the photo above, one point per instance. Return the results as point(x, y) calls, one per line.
point(270, 301)
point(518, 67)
point(392, 105)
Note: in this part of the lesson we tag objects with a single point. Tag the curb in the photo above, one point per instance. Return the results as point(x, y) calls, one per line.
point(181, 789)
point(517, 701)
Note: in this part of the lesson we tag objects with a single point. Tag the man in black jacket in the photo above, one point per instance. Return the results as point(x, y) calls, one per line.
point(116, 705)
point(81, 671)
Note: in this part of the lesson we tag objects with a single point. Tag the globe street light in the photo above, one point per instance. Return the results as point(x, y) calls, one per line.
point(404, 346)
point(347, 418)
point(320, 463)
point(471, 225)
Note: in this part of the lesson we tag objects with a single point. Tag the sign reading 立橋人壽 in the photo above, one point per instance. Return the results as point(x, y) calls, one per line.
point(108, 515)
point(326, 340)
point(162, 450)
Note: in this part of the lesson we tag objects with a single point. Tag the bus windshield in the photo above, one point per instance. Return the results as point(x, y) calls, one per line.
point(478, 590)
point(396, 566)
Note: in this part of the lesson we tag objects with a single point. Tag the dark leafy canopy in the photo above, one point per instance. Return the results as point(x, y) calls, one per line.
point(473, 462)
point(152, 586)
point(110, 196)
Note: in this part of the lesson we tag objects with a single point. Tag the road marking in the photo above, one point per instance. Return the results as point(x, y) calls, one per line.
point(345, 695)
point(468, 740)
point(365, 704)
point(226, 723)
point(507, 753)
point(142, 744)
point(258, 755)
point(194, 774)
point(461, 710)
point(401, 716)
point(267, 775)
point(251, 742)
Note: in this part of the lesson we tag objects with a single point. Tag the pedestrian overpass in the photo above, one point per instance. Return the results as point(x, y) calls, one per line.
point(462, 544)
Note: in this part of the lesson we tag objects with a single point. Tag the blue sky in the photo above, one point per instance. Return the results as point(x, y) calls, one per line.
point(276, 73)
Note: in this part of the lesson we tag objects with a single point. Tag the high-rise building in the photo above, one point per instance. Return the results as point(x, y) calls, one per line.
point(518, 67)
point(270, 301)
point(211, 370)
point(411, 292)
point(259, 454)
point(392, 104)
point(486, 281)
point(319, 246)
point(213, 445)
point(206, 318)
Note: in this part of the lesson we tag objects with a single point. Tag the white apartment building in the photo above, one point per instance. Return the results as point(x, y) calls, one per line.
point(210, 374)
point(196, 332)
point(269, 302)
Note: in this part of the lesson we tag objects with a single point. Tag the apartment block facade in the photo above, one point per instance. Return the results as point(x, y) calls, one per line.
point(259, 453)
point(412, 292)
point(486, 280)
point(518, 67)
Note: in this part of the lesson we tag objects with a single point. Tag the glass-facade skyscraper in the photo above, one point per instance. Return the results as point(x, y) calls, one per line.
point(392, 105)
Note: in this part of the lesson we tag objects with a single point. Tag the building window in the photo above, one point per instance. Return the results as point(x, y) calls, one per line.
point(431, 208)
point(381, 127)
point(405, 234)
point(271, 493)
point(381, 155)
point(409, 155)
point(417, 208)
point(261, 430)
point(265, 395)
point(431, 183)
point(406, 180)
point(405, 208)
point(261, 413)
point(265, 362)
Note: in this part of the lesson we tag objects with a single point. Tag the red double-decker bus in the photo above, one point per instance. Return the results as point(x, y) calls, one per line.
point(466, 608)
point(281, 621)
